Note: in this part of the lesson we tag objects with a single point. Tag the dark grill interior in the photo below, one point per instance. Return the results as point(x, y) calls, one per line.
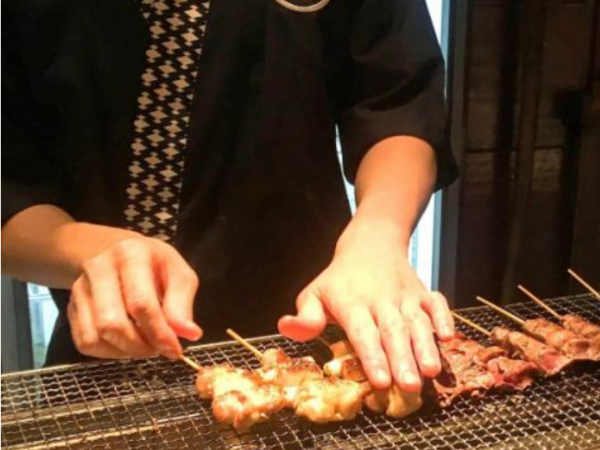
point(153, 405)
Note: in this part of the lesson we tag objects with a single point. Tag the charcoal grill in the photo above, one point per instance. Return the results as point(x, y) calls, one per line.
point(152, 404)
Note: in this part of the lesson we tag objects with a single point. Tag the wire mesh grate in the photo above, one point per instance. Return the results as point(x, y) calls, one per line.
point(152, 404)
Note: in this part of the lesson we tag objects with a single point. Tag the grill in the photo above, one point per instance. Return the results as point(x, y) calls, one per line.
point(152, 404)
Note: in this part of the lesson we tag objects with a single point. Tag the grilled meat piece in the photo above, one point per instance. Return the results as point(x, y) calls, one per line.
point(289, 373)
point(394, 402)
point(347, 367)
point(563, 340)
point(341, 348)
point(549, 361)
point(585, 329)
point(239, 397)
point(328, 400)
point(512, 374)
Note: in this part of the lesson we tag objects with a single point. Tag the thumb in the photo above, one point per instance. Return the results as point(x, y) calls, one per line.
point(308, 323)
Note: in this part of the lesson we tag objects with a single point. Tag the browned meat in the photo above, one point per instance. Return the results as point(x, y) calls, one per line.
point(328, 400)
point(580, 326)
point(512, 374)
point(549, 361)
point(563, 340)
point(238, 396)
point(394, 402)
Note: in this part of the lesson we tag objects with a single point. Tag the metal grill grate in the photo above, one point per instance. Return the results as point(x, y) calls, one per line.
point(153, 405)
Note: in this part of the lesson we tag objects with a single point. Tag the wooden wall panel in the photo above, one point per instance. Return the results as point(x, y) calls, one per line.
point(488, 174)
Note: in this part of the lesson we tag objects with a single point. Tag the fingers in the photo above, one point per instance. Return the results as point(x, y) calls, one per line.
point(141, 300)
point(421, 332)
point(308, 323)
point(83, 331)
point(436, 306)
point(396, 340)
point(180, 286)
point(111, 321)
point(364, 336)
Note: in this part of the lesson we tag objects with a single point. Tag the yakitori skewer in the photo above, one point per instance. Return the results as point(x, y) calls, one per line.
point(191, 363)
point(502, 311)
point(584, 283)
point(471, 324)
point(256, 352)
point(573, 323)
point(556, 336)
point(539, 301)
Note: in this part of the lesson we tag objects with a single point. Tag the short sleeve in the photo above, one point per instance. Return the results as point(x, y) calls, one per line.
point(396, 84)
point(28, 174)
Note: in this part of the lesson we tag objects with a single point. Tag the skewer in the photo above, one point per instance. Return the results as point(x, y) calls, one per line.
point(539, 302)
point(191, 363)
point(502, 311)
point(471, 324)
point(245, 343)
point(584, 283)
point(323, 341)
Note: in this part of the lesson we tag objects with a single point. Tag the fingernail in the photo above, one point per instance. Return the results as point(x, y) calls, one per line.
point(411, 378)
point(382, 377)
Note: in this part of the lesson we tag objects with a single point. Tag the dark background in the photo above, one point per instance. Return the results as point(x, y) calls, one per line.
point(525, 103)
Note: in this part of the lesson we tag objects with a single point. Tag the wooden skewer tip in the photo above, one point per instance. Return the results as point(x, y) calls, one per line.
point(539, 301)
point(502, 311)
point(471, 324)
point(191, 363)
point(245, 343)
point(584, 283)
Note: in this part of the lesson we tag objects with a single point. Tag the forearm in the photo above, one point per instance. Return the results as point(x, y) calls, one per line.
point(393, 185)
point(45, 245)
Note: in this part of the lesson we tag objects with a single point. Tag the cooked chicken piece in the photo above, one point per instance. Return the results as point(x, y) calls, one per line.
point(239, 397)
point(347, 367)
point(328, 400)
point(394, 402)
point(341, 348)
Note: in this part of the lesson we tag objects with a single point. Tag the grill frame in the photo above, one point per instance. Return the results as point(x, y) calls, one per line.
point(152, 404)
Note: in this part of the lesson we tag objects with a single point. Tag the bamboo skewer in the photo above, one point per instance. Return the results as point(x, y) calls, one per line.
point(245, 343)
point(539, 302)
point(502, 311)
point(323, 341)
point(584, 283)
point(191, 363)
point(471, 324)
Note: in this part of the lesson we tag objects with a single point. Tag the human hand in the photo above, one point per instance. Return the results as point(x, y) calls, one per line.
point(133, 300)
point(371, 291)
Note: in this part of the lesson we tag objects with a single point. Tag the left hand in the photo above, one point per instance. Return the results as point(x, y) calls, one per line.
point(371, 291)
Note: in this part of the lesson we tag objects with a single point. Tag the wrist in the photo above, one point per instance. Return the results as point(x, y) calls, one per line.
point(80, 241)
point(371, 230)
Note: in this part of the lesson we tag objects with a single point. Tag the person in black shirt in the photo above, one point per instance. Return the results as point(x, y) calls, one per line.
point(152, 144)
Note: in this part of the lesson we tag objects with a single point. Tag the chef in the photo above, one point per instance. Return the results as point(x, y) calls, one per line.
point(169, 168)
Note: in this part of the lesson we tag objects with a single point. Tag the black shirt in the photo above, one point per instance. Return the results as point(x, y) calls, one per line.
point(213, 125)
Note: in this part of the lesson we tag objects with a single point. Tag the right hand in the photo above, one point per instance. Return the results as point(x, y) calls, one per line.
point(133, 300)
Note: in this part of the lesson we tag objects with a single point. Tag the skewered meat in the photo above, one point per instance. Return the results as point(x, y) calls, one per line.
point(328, 400)
point(341, 348)
point(549, 361)
point(347, 367)
point(563, 340)
point(394, 402)
point(238, 396)
point(583, 328)
point(512, 374)
point(289, 373)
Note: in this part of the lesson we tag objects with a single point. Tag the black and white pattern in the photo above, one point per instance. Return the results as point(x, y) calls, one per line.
point(177, 29)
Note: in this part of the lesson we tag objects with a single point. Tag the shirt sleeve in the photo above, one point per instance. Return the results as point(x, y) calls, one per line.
point(29, 176)
point(396, 86)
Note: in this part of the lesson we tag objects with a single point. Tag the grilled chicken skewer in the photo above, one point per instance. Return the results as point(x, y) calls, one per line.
point(518, 345)
point(573, 323)
point(393, 401)
point(561, 339)
point(319, 399)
